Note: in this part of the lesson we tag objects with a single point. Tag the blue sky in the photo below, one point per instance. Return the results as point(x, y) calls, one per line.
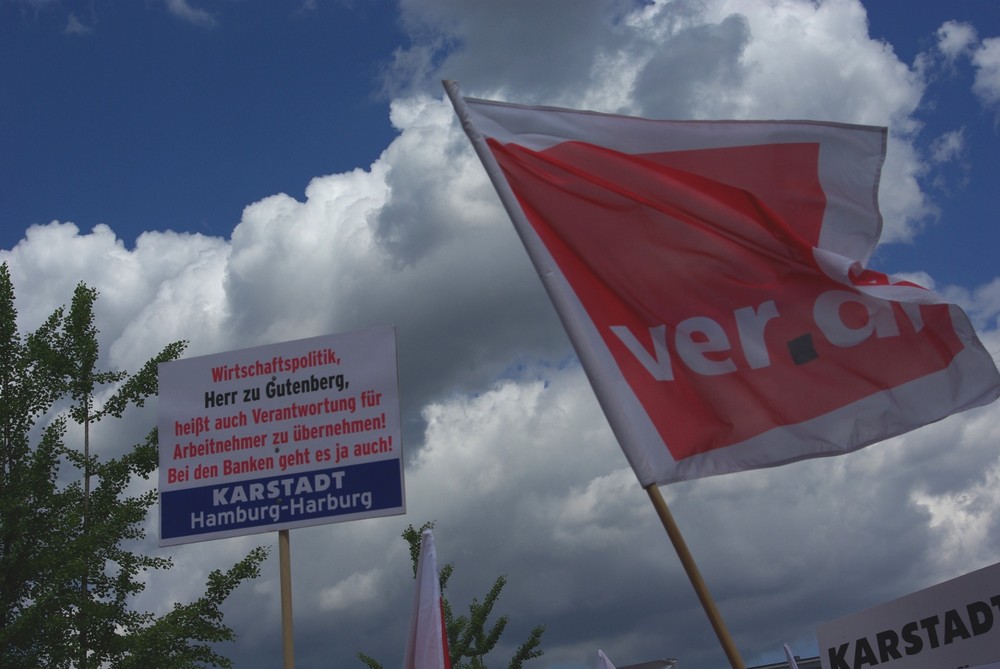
point(146, 118)
point(144, 121)
point(236, 173)
point(965, 193)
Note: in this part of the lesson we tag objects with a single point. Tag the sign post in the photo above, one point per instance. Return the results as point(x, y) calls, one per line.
point(280, 436)
point(285, 571)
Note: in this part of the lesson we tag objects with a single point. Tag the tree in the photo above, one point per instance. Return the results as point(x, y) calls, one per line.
point(469, 640)
point(67, 578)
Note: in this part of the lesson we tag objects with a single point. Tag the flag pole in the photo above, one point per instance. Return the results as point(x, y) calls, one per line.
point(285, 569)
point(694, 576)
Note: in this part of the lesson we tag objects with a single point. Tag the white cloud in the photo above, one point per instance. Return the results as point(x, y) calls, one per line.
point(506, 447)
point(183, 10)
point(354, 591)
point(956, 39)
point(599, 514)
point(74, 26)
point(965, 522)
point(782, 59)
point(948, 146)
point(987, 61)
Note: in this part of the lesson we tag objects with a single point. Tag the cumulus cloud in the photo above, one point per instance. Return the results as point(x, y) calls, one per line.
point(505, 445)
point(787, 59)
point(183, 10)
point(948, 146)
point(987, 62)
point(357, 590)
point(956, 39)
point(959, 40)
point(74, 26)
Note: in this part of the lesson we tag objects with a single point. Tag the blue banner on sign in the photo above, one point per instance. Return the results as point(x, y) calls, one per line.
point(275, 502)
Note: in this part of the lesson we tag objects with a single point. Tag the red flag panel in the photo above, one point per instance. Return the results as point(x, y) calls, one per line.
point(748, 314)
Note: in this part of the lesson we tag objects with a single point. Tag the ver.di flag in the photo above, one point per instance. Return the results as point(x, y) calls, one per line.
point(711, 276)
point(427, 643)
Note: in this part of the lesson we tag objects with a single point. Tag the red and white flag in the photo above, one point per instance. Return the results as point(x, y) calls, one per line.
point(427, 644)
point(711, 276)
point(603, 662)
point(792, 664)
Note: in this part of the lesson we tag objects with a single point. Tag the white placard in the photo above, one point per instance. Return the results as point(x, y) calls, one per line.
point(951, 625)
point(280, 436)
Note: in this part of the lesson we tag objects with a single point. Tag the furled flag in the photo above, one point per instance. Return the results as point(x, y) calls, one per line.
point(711, 276)
point(792, 664)
point(427, 644)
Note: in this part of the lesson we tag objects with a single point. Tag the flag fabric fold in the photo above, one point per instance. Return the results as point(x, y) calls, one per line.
point(712, 278)
point(427, 643)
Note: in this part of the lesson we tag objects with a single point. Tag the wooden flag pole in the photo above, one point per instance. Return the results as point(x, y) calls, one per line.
point(695, 576)
point(285, 568)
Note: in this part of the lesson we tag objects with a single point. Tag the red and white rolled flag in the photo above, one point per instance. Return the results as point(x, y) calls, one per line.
point(791, 658)
point(427, 645)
